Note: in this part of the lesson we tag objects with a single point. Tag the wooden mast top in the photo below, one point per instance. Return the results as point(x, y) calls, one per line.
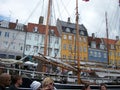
point(47, 28)
point(107, 43)
point(77, 43)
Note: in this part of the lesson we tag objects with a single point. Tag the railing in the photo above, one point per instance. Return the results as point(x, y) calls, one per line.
point(56, 76)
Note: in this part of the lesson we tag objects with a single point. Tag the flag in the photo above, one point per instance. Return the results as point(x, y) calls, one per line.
point(86, 0)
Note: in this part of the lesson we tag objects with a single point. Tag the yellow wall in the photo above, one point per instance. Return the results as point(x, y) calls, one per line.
point(118, 52)
point(67, 52)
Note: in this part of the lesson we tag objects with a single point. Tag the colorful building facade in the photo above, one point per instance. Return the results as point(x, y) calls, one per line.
point(67, 31)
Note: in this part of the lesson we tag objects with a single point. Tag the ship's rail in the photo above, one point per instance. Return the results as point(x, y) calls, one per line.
point(56, 76)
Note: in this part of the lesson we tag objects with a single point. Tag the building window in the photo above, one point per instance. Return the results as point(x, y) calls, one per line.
point(35, 29)
point(119, 54)
point(49, 51)
point(95, 54)
point(11, 56)
point(69, 57)
point(81, 49)
point(35, 48)
point(64, 56)
point(101, 46)
point(84, 39)
point(3, 55)
point(99, 54)
point(112, 47)
point(105, 55)
point(65, 36)
point(0, 33)
point(36, 37)
point(81, 33)
point(29, 36)
point(91, 53)
point(57, 40)
point(64, 46)
point(42, 39)
point(42, 50)
point(85, 49)
point(20, 45)
point(67, 29)
point(51, 39)
point(52, 33)
point(70, 37)
point(6, 34)
point(56, 52)
point(70, 47)
point(80, 39)
point(74, 31)
point(13, 35)
point(28, 47)
point(93, 44)
point(5, 43)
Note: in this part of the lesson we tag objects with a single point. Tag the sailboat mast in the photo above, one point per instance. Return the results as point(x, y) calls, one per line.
point(47, 27)
point(46, 32)
point(77, 43)
point(107, 37)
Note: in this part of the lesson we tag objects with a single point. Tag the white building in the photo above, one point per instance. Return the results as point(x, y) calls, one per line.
point(35, 40)
point(17, 40)
point(12, 38)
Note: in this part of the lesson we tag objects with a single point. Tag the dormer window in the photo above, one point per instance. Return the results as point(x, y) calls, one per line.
point(35, 29)
point(4, 24)
point(81, 33)
point(19, 26)
point(52, 32)
point(112, 46)
point(93, 44)
point(67, 29)
point(101, 46)
point(74, 31)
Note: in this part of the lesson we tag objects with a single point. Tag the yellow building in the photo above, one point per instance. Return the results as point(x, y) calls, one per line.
point(117, 46)
point(68, 41)
point(111, 51)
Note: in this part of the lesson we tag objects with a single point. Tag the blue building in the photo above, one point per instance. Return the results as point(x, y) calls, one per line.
point(96, 49)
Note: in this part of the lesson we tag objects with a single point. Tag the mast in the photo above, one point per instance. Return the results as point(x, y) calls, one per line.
point(77, 43)
point(107, 37)
point(46, 31)
point(47, 27)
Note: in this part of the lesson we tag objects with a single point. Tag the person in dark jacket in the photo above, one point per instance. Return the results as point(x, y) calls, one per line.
point(5, 80)
point(103, 86)
point(16, 82)
point(86, 87)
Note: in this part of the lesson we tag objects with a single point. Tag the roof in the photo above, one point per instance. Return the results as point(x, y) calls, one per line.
point(41, 28)
point(110, 41)
point(72, 27)
point(97, 40)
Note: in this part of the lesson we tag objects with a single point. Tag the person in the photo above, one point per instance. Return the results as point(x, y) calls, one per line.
point(86, 87)
point(16, 82)
point(103, 87)
point(5, 80)
point(35, 85)
point(48, 84)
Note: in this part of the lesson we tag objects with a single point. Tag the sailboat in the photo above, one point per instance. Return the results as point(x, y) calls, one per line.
point(57, 62)
point(63, 65)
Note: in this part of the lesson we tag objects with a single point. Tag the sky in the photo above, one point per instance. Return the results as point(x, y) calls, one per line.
point(91, 14)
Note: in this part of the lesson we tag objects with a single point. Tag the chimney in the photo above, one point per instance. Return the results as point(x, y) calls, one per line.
point(41, 20)
point(117, 37)
point(93, 35)
point(68, 19)
point(16, 21)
